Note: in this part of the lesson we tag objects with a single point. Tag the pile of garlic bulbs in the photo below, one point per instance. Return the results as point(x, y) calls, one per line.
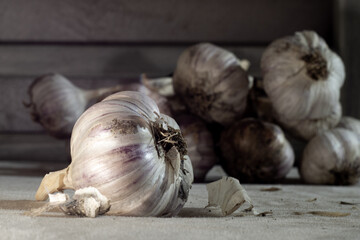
point(144, 161)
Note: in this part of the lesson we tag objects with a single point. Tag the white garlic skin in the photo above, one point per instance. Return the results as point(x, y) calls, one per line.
point(350, 123)
point(306, 129)
point(56, 104)
point(212, 83)
point(294, 92)
point(332, 157)
point(113, 149)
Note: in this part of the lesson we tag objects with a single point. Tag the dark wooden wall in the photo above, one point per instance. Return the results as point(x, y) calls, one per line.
point(101, 43)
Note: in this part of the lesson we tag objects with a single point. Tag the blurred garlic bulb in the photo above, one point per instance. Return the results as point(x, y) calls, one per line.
point(332, 157)
point(56, 103)
point(303, 77)
point(256, 151)
point(212, 83)
point(350, 123)
point(200, 145)
point(131, 153)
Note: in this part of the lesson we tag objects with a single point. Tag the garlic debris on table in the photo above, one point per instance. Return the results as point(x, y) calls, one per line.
point(212, 83)
point(56, 103)
point(302, 78)
point(332, 157)
point(228, 194)
point(256, 151)
point(131, 153)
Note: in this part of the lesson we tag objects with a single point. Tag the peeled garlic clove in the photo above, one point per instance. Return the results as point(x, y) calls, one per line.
point(350, 123)
point(302, 76)
point(200, 145)
point(332, 157)
point(132, 154)
point(256, 151)
point(212, 83)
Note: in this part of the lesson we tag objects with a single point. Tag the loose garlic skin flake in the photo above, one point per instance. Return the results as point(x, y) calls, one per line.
point(332, 157)
point(116, 148)
point(302, 78)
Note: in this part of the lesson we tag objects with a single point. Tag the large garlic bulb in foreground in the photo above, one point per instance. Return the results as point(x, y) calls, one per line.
point(132, 154)
point(256, 151)
point(332, 157)
point(212, 83)
point(302, 78)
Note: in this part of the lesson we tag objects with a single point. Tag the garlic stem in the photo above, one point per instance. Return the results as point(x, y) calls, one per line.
point(53, 182)
point(100, 93)
point(244, 63)
point(163, 85)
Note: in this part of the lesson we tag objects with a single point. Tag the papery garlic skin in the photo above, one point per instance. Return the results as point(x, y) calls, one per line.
point(302, 78)
point(56, 104)
point(113, 149)
point(306, 129)
point(256, 151)
point(212, 83)
point(350, 123)
point(332, 157)
point(291, 80)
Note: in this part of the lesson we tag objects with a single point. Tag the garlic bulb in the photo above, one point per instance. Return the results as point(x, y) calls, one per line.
point(200, 145)
point(256, 151)
point(332, 157)
point(303, 77)
point(212, 83)
point(133, 155)
point(56, 103)
point(350, 123)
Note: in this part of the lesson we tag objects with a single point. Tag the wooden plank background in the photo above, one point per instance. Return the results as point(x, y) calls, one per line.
point(163, 21)
point(102, 43)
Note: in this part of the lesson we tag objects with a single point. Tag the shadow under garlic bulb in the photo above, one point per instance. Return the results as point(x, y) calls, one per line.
point(332, 157)
point(256, 151)
point(302, 78)
point(212, 83)
point(131, 153)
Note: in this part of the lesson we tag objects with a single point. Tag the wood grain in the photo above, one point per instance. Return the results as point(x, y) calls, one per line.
point(101, 61)
point(247, 21)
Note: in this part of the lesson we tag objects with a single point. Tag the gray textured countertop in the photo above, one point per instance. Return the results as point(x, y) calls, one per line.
point(297, 212)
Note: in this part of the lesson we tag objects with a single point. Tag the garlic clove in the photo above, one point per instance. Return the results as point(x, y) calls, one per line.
point(228, 194)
